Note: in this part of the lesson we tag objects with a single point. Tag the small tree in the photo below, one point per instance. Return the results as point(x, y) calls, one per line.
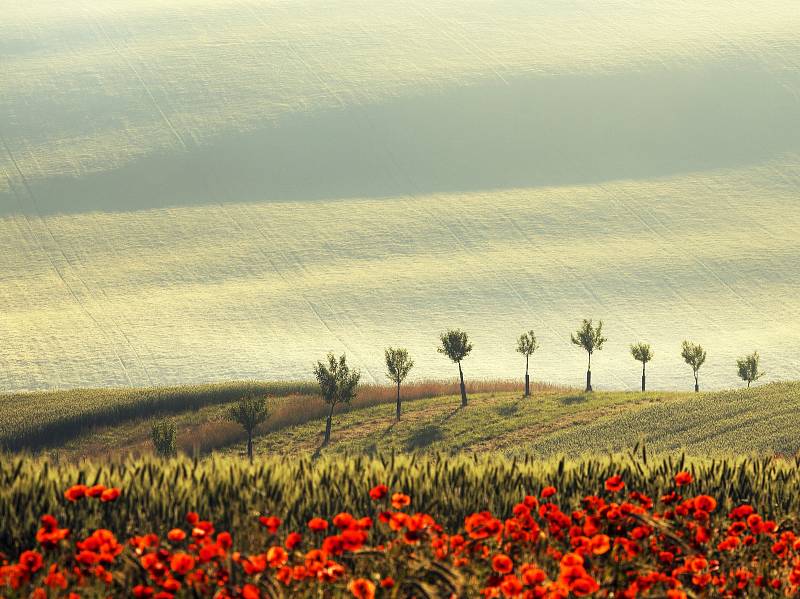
point(249, 412)
point(526, 345)
point(338, 384)
point(398, 366)
point(590, 339)
point(456, 346)
point(695, 356)
point(642, 353)
point(748, 368)
point(163, 435)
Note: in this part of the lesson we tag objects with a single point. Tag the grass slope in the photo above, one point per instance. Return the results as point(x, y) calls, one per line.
point(497, 420)
point(99, 421)
point(759, 420)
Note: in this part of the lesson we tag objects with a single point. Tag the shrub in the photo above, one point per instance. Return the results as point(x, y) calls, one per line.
point(163, 434)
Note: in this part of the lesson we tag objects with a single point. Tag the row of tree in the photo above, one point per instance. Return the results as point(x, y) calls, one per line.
point(339, 383)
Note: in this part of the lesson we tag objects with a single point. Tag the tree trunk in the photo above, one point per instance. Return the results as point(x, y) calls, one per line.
point(398, 401)
point(748, 384)
point(527, 379)
point(463, 388)
point(589, 375)
point(328, 426)
point(644, 385)
point(250, 446)
point(696, 384)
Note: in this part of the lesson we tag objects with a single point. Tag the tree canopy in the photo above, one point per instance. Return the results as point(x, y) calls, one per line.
point(337, 381)
point(748, 367)
point(455, 345)
point(398, 364)
point(694, 355)
point(589, 337)
point(249, 412)
point(527, 344)
point(642, 352)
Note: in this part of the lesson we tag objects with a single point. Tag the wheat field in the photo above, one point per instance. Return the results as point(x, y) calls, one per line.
point(208, 190)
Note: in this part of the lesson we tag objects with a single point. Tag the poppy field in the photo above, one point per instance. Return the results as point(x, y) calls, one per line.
point(624, 526)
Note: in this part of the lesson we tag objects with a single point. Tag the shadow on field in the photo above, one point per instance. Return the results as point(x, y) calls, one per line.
point(507, 410)
point(572, 400)
point(423, 437)
point(533, 131)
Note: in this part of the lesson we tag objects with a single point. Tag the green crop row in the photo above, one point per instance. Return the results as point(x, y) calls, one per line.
point(156, 494)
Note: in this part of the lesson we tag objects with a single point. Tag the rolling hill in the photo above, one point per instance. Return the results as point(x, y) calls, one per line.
point(206, 190)
point(498, 420)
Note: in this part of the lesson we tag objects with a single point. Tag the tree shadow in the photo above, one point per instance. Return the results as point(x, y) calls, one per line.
point(507, 410)
point(451, 414)
point(573, 399)
point(423, 437)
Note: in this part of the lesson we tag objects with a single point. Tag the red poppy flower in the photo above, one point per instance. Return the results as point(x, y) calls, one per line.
point(277, 557)
point(548, 492)
point(271, 523)
point(75, 492)
point(531, 575)
point(318, 524)
point(600, 544)
point(400, 500)
point(741, 512)
point(511, 586)
point(615, 484)
point(95, 491)
point(250, 591)
point(343, 520)
point(586, 585)
point(387, 583)
point(176, 535)
point(181, 563)
point(293, 539)
point(502, 564)
point(31, 560)
point(109, 495)
point(225, 540)
point(705, 503)
point(378, 492)
point(683, 478)
point(362, 588)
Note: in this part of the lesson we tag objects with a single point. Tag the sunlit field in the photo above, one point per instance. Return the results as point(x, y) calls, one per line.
point(210, 191)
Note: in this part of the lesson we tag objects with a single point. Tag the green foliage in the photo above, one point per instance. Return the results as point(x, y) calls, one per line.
point(163, 434)
point(249, 412)
point(398, 364)
point(694, 355)
point(748, 368)
point(588, 337)
point(527, 344)
point(641, 352)
point(455, 345)
point(337, 382)
point(157, 494)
